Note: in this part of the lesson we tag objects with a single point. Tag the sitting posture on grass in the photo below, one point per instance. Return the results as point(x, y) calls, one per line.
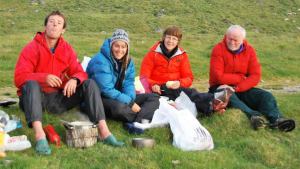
point(234, 63)
point(114, 72)
point(49, 77)
point(167, 69)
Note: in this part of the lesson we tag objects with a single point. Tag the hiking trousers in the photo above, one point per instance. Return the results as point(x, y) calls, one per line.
point(121, 111)
point(255, 102)
point(33, 101)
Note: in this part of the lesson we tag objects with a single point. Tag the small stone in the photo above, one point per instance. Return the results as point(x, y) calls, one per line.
point(175, 162)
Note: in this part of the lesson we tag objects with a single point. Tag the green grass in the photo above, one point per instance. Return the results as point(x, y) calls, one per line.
point(273, 29)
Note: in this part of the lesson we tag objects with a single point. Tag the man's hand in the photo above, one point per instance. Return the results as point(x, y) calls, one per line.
point(53, 81)
point(173, 84)
point(136, 108)
point(70, 87)
point(156, 89)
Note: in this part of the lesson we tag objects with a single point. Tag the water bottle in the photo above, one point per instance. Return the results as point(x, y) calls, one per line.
point(52, 135)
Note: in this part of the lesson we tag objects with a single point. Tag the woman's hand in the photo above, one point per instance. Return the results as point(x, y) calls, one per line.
point(136, 108)
point(156, 89)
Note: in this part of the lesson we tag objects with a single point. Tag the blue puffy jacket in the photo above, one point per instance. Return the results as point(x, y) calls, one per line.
point(103, 69)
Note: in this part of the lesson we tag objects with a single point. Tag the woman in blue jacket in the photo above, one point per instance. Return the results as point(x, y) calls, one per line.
point(114, 72)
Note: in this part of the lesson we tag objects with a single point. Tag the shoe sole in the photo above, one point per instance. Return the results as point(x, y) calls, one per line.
point(286, 125)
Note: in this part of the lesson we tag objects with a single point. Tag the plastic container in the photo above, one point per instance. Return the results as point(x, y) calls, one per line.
point(16, 143)
point(12, 125)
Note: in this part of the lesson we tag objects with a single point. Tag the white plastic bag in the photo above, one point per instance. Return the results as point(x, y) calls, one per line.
point(159, 119)
point(184, 102)
point(188, 133)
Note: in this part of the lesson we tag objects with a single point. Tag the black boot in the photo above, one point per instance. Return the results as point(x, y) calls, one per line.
point(284, 124)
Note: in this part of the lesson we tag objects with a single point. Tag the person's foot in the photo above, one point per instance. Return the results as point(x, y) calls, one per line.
point(111, 140)
point(257, 122)
point(284, 124)
point(133, 129)
point(42, 147)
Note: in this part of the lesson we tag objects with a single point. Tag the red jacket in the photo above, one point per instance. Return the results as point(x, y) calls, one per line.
point(243, 70)
point(36, 62)
point(159, 69)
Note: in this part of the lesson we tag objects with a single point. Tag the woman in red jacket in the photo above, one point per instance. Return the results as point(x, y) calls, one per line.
point(167, 69)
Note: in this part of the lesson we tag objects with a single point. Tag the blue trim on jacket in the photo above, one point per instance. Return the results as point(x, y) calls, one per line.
point(103, 69)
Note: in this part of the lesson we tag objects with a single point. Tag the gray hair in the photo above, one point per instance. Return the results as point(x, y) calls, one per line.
point(237, 27)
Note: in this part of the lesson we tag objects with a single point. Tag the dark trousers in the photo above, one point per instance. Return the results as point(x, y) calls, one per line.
point(33, 101)
point(120, 111)
point(203, 101)
point(256, 102)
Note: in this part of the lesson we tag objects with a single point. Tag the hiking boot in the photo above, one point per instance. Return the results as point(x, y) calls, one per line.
point(284, 124)
point(257, 122)
point(132, 129)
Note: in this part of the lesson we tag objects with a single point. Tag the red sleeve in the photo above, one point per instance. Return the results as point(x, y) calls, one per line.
point(254, 73)
point(76, 69)
point(186, 74)
point(147, 68)
point(25, 65)
point(217, 70)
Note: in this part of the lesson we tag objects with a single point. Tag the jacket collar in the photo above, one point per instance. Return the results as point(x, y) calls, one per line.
point(156, 48)
point(40, 38)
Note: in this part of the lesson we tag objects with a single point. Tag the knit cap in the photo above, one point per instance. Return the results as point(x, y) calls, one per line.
point(120, 34)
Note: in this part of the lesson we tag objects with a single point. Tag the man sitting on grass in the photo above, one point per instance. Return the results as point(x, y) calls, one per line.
point(234, 62)
point(48, 76)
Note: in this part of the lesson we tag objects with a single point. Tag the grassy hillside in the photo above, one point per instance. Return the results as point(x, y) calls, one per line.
point(273, 28)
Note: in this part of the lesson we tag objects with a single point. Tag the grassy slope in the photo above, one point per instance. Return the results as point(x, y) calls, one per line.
point(237, 146)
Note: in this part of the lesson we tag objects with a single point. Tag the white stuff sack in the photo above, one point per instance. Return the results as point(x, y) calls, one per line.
point(85, 62)
point(139, 88)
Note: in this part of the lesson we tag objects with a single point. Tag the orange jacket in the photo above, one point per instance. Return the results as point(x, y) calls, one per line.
point(243, 70)
point(159, 69)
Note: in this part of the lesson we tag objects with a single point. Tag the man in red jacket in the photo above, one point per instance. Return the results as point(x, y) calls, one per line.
point(234, 63)
point(49, 76)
